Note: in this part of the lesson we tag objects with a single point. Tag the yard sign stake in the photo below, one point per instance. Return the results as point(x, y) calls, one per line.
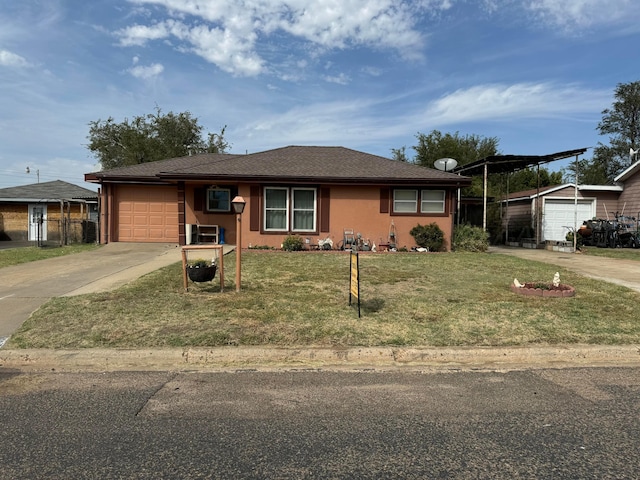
point(354, 290)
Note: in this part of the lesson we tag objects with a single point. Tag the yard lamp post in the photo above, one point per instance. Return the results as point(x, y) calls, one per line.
point(238, 206)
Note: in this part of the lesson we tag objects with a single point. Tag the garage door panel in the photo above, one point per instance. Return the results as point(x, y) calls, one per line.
point(147, 214)
point(560, 215)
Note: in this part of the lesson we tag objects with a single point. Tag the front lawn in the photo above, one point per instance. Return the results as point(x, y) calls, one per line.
point(301, 299)
point(15, 256)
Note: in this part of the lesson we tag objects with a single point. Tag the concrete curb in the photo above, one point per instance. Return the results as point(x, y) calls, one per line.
point(356, 358)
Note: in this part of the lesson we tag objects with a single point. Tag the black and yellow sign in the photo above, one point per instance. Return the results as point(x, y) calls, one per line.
point(354, 284)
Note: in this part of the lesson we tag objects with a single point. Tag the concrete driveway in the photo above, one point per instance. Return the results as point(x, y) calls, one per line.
point(23, 288)
point(612, 270)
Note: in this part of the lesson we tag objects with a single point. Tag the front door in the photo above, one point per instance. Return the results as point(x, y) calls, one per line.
point(37, 222)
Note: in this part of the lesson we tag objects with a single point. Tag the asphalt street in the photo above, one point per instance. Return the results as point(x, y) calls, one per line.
point(579, 423)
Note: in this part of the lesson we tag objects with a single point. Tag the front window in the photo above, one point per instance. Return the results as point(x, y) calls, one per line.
point(292, 209)
point(432, 201)
point(218, 200)
point(276, 205)
point(304, 209)
point(405, 201)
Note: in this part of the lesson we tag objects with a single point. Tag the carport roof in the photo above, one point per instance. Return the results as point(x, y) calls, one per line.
point(512, 163)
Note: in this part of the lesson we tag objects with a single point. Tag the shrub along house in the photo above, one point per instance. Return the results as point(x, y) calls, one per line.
point(317, 193)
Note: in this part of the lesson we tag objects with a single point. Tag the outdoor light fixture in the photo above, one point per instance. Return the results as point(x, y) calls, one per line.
point(238, 207)
point(238, 204)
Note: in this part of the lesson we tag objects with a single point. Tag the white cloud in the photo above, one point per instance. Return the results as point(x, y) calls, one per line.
point(10, 59)
point(576, 14)
point(146, 72)
point(353, 122)
point(228, 33)
point(340, 79)
point(524, 100)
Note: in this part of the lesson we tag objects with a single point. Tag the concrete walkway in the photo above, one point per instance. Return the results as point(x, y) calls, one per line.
point(612, 270)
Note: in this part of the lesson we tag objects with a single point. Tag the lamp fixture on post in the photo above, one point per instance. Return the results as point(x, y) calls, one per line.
point(238, 207)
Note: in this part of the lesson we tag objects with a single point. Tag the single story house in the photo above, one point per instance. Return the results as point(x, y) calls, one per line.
point(554, 208)
point(48, 211)
point(318, 193)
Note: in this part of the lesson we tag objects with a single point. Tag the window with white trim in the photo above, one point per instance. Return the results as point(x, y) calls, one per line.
point(304, 209)
point(276, 207)
point(290, 209)
point(218, 199)
point(432, 201)
point(405, 201)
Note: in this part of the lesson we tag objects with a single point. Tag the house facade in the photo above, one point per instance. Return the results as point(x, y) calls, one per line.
point(318, 193)
point(48, 212)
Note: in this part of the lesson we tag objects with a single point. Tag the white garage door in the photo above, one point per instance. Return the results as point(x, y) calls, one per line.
point(560, 214)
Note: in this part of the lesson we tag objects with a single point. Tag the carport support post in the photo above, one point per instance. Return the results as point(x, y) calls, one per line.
point(484, 198)
point(575, 209)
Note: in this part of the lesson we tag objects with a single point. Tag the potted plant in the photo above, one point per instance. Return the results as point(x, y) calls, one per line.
point(200, 270)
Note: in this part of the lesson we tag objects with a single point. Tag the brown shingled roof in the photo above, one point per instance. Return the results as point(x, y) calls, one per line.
point(293, 163)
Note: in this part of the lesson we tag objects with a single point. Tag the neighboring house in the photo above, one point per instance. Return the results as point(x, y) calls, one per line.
point(34, 212)
point(558, 206)
point(314, 192)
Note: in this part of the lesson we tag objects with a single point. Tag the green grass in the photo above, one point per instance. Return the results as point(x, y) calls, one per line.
point(622, 253)
point(300, 299)
point(15, 256)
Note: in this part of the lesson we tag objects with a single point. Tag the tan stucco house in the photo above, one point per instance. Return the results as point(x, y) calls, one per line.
point(315, 192)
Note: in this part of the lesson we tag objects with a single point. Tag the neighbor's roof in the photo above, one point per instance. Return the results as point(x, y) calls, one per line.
point(629, 172)
point(511, 163)
point(55, 190)
point(292, 164)
point(543, 191)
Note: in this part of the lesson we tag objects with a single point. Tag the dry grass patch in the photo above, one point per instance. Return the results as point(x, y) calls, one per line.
point(301, 299)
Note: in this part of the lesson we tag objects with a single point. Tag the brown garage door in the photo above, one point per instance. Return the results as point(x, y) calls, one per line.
point(147, 214)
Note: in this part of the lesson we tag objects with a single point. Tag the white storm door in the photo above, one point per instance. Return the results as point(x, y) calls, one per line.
point(37, 222)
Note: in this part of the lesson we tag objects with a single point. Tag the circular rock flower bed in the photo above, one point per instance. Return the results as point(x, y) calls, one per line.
point(540, 289)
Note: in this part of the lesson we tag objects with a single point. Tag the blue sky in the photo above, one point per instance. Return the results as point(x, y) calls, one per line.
point(367, 75)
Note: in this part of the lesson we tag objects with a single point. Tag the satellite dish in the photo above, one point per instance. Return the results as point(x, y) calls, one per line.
point(445, 164)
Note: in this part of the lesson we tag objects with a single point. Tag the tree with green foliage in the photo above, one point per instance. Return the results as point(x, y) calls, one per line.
point(465, 149)
point(622, 123)
point(149, 138)
point(400, 154)
point(530, 178)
